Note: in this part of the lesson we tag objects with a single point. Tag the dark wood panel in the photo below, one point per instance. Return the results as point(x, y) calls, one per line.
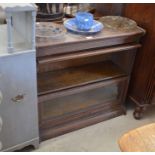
point(76, 116)
point(52, 66)
point(71, 103)
point(71, 42)
point(87, 53)
point(77, 76)
point(153, 101)
point(51, 63)
point(107, 9)
point(141, 85)
point(125, 60)
point(101, 110)
point(142, 68)
point(104, 114)
point(153, 96)
point(85, 40)
point(49, 96)
point(77, 46)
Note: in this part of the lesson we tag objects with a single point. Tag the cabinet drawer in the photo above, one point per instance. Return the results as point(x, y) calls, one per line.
point(103, 98)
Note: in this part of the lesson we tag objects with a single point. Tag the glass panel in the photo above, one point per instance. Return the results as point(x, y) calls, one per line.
point(77, 76)
point(79, 101)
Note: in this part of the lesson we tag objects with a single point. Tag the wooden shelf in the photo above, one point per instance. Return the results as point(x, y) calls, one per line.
point(53, 81)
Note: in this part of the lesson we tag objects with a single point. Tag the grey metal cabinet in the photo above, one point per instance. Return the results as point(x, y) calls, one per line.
point(18, 102)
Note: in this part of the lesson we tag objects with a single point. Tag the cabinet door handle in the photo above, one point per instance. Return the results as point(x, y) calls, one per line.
point(18, 98)
point(1, 97)
point(1, 123)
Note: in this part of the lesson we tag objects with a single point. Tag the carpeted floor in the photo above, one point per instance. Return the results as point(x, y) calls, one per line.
point(101, 137)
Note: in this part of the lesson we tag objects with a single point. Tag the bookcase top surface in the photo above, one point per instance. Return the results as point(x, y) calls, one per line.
point(70, 38)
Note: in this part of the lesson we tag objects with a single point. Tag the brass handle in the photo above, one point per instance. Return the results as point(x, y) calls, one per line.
point(18, 98)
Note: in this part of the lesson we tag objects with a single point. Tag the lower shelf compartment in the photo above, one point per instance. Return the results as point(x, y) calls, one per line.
point(104, 114)
point(61, 114)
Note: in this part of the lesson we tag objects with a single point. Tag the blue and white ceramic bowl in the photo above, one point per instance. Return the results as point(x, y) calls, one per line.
point(84, 20)
point(71, 25)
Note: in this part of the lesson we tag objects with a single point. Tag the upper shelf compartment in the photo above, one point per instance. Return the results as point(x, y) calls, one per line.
point(17, 28)
point(53, 81)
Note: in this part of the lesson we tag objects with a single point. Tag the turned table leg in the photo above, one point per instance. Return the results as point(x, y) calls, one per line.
point(138, 112)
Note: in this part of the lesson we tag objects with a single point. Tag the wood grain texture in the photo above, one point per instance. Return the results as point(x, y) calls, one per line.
point(87, 53)
point(81, 100)
point(153, 98)
point(77, 76)
point(86, 120)
point(142, 78)
point(72, 43)
point(141, 75)
point(95, 109)
point(83, 88)
point(107, 9)
point(71, 38)
point(74, 65)
point(141, 139)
